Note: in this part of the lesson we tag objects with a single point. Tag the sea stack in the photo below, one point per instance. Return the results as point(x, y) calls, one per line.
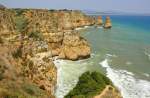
point(107, 24)
point(99, 21)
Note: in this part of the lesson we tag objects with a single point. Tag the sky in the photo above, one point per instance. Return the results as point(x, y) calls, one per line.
point(135, 6)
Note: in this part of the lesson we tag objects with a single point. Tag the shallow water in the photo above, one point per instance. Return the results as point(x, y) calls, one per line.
point(122, 53)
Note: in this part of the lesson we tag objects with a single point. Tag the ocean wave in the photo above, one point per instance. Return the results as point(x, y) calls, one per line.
point(129, 86)
point(67, 75)
point(146, 74)
point(147, 52)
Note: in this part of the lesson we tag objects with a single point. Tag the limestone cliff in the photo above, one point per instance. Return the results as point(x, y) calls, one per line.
point(74, 47)
point(25, 64)
point(57, 29)
point(28, 41)
point(7, 27)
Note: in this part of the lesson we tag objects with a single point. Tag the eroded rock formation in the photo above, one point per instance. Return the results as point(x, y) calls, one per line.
point(7, 26)
point(107, 24)
point(28, 41)
point(74, 47)
point(25, 63)
point(57, 29)
point(99, 21)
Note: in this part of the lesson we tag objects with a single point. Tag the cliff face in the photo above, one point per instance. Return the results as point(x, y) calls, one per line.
point(74, 47)
point(28, 41)
point(25, 62)
point(7, 27)
point(57, 29)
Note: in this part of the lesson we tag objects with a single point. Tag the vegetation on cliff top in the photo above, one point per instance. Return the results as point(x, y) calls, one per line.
point(89, 85)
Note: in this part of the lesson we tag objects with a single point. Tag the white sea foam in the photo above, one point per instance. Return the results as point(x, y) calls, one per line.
point(67, 75)
point(86, 27)
point(129, 86)
point(146, 74)
point(79, 28)
point(148, 54)
point(128, 63)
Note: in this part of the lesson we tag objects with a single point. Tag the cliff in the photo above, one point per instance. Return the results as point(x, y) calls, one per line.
point(25, 64)
point(57, 28)
point(7, 26)
point(29, 39)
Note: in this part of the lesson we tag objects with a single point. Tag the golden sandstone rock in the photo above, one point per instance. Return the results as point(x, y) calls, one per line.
point(99, 21)
point(54, 36)
point(57, 29)
point(107, 24)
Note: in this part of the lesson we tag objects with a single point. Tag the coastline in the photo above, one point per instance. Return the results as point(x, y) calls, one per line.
point(37, 41)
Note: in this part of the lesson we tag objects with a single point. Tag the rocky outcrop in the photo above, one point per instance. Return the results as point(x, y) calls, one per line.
point(73, 19)
point(107, 24)
point(109, 92)
point(99, 21)
point(74, 47)
point(57, 28)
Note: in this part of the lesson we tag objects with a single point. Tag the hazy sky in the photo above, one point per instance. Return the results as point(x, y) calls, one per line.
point(142, 6)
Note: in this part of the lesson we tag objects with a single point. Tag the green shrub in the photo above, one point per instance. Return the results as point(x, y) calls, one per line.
point(89, 85)
point(17, 53)
point(35, 35)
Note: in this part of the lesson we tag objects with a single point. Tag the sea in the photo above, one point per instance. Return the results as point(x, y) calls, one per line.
point(122, 53)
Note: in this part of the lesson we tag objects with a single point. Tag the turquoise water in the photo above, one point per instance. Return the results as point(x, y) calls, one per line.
point(122, 53)
point(129, 40)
